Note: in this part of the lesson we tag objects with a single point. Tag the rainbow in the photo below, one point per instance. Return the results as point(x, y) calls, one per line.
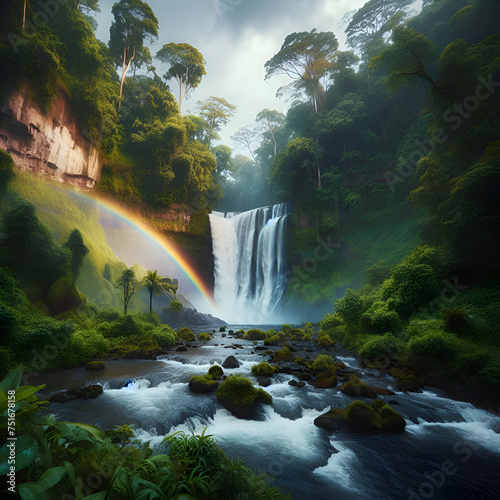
point(134, 220)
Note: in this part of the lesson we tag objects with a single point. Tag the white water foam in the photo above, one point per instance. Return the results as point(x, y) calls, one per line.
point(341, 467)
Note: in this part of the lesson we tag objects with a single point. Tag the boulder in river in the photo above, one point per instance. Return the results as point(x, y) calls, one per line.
point(231, 362)
point(87, 392)
point(332, 420)
point(216, 371)
point(203, 385)
point(357, 389)
point(360, 417)
point(239, 396)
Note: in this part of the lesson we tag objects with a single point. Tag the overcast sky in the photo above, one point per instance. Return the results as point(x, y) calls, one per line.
point(237, 37)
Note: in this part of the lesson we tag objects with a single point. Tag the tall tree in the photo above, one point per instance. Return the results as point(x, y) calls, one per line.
point(372, 20)
point(134, 23)
point(86, 7)
point(306, 57)
point(187, 66)
point(78, 252)
point(158, 285)
point(128, 283)
point(216, 111)
point(407, 58)
point(247, 136)
point(272, 121)
point(152, 283)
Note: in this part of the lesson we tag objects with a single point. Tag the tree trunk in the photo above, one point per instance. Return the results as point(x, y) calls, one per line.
point(24, 16)
point(180, 95)
point(124, 72)
point(151, 300)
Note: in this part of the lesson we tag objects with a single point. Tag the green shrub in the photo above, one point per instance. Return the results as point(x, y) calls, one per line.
point(350, 306)
point(323, 339)
point(284, 354)
point(83, 346)
point(414, 286)
point(323, 361)
point(386, 345)
point(176, 306)
point(204, 337)
point(274, 340)
point(126, 326)
point(331, 321)
point(383, 320)
point(164, 336)
point(108, 315)
point(186, 334)
point(5, 360)
point(468, 365)
point(432, 347)
point(491, 373)
point(263, 369)
point(150, 318)
point(378, 273)
point(418, 327)
point(254, 334)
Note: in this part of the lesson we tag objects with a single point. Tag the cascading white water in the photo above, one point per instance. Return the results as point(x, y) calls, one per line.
point(250, 262)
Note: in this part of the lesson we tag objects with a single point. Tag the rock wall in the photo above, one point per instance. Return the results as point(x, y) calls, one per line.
point(49, 144)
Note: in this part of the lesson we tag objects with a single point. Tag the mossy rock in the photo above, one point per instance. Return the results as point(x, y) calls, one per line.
point(186, 334)
point(63, 296)
point(357, 389)
point(204, 337)
point(182, 348)
point(222, 329)
point(359, 417)
point(326, 382)
point(239, 396)
point(203, 384)
point(263, 369)
point(264, 397)
point(332, 420)
point(407, 380)
point(390, 420)
point(95, 366)
point(216, 372)
point(379, 416)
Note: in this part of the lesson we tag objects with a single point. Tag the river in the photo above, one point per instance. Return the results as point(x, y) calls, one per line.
point(449, 450)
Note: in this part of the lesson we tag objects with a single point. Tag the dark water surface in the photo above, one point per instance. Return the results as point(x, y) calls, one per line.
point(449, 450)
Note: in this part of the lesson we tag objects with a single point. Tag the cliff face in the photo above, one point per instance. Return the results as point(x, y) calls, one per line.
point(50, 145)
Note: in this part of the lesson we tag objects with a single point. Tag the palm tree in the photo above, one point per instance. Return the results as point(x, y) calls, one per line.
point(158, 285)
point(152, 283)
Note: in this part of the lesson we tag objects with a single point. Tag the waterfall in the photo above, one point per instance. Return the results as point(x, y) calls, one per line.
point(250, 261)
